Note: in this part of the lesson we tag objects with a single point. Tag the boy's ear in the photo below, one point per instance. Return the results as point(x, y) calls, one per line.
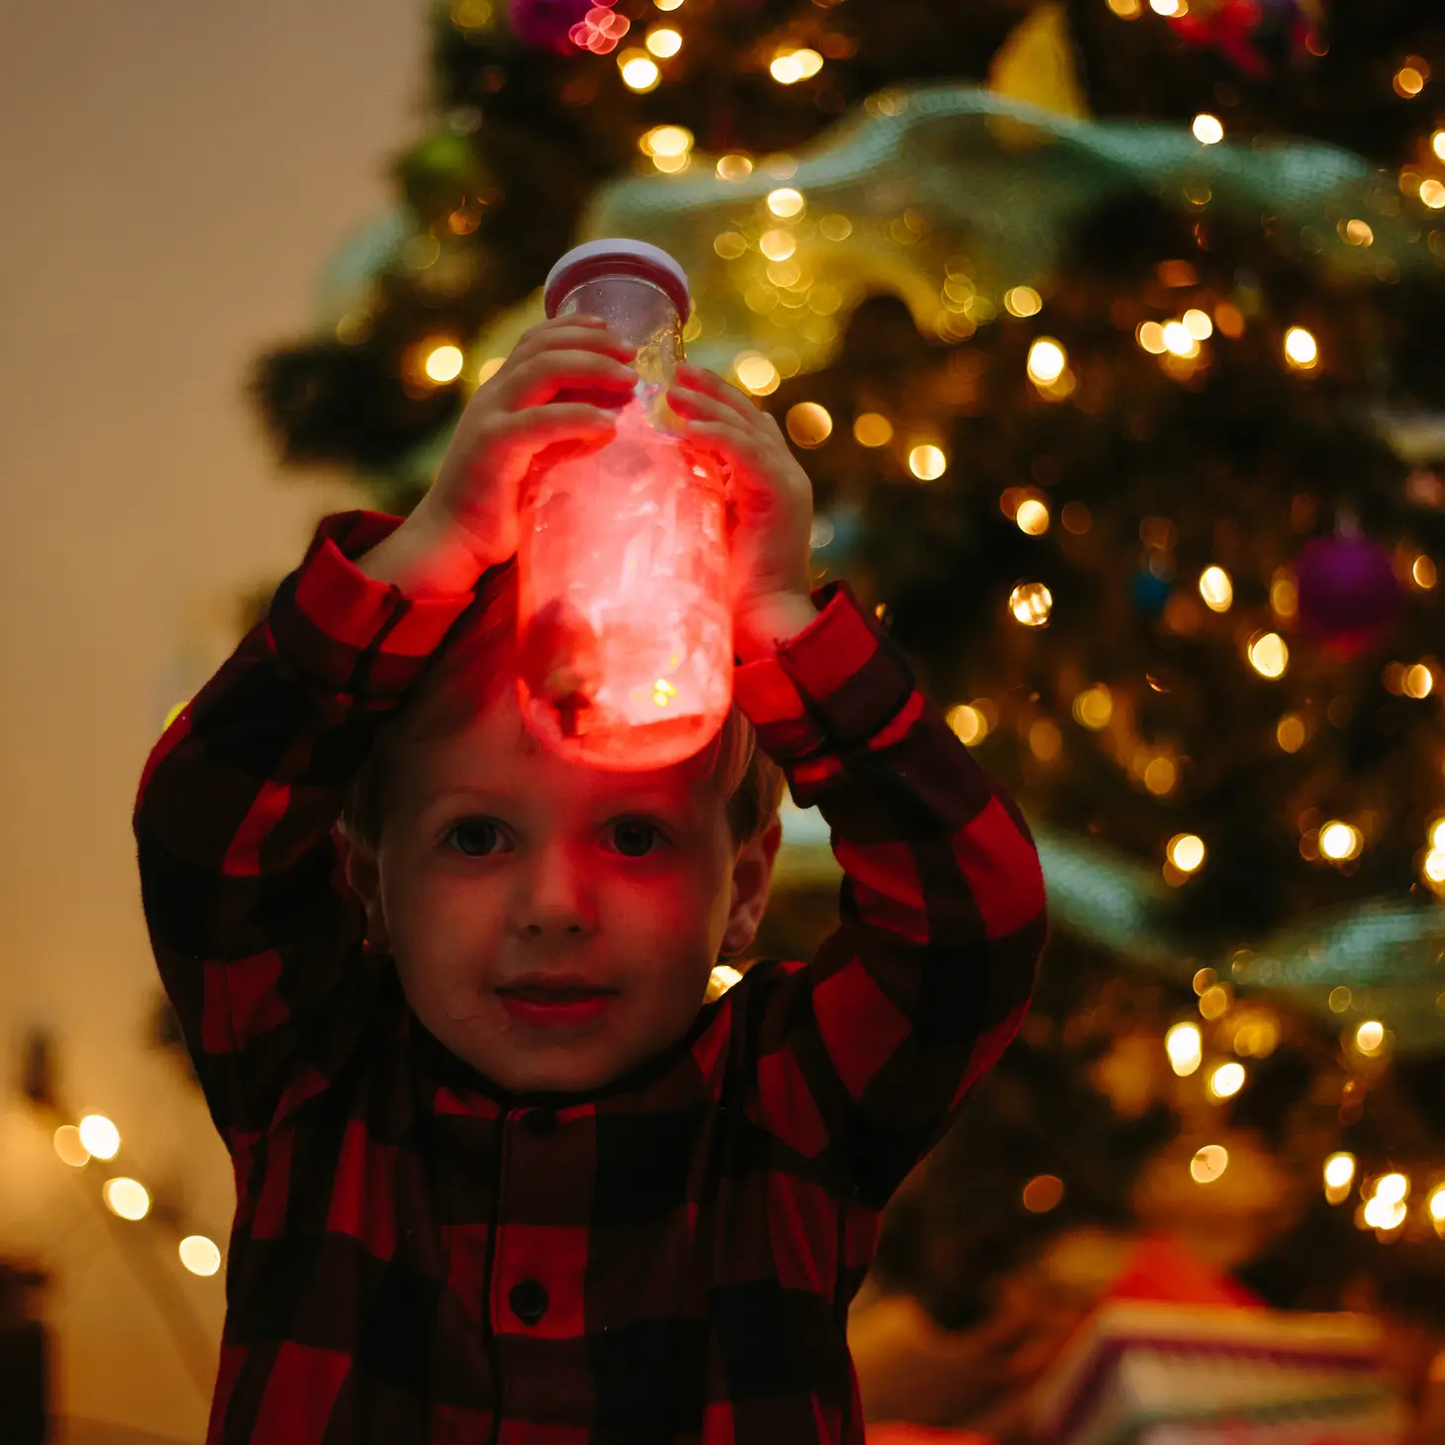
point(363, 874)
point(752, 880)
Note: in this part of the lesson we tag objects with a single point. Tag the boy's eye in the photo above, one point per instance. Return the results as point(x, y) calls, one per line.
point(476, 837)
point(635, 838)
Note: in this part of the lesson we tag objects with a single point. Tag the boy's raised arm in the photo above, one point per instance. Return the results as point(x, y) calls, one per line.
point(256, 935)
point(864, 1054)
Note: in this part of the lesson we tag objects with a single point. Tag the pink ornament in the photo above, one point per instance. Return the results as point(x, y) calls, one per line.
point(557, 24)
point(1348, 591)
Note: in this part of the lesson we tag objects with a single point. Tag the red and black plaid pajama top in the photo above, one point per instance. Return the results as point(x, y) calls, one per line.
point(417, 1256)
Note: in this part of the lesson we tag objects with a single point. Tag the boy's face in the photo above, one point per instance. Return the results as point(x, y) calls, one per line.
point(554, 925)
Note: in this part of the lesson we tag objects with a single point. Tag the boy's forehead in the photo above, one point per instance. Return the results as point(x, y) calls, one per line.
point(496, 751)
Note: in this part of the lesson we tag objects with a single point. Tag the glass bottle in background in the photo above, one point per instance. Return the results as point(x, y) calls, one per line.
point(624, 625)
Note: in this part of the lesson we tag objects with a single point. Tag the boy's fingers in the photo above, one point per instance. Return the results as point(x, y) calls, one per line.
point(699, 379)
point(587, 333)
point(539, 378)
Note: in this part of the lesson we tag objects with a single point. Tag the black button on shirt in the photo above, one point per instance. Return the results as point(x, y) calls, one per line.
point(529, 1301)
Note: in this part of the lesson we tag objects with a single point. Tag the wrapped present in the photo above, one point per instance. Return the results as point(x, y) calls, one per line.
point(1177, 1354)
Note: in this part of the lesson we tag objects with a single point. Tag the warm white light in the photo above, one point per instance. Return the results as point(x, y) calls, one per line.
point(70, 1148)
point(668, 141)
point(733, 168)
point(927, 462)
point(871, 429)
point(1419, 681)
point(1226, 1081)
point(1434, 865)
point(1216, 589)
point(1268, 655)
point(1370, 1036)
point(1150, 336)
point(968, 723)
point(1209, 1163)
point(444, 363)
point(777, 245)
point(1094, 707)
point(1179, 341)
point(1185, 1047)
point(785, 201)
point(1340, 842)
point(126, 1198)
point(100, 1136)
point(1047, 360)
point(1031, 603)
point(1168, 8)
point(809, 424)
point(1339, 1170)
point(1186, 852)
point(1208, 129)
point(1437, 143)
point(1300, 348)
point(809, 62)
point(1379, 1214)
point(756, 373)
point(1392, 1188)
point(664, 42)
point(724, 976)
point(1436, 1202)
point(1198, 324)
point(1032, 517)
point(1022, 301)
point(200, 1255)
point(639, 71)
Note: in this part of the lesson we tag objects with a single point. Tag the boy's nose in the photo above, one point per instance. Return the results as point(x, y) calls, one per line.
point(557, 898)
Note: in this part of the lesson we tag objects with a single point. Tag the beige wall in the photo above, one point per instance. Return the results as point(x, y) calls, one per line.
point(172, 176)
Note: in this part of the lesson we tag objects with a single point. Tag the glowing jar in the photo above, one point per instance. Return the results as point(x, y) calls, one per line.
point(625, 642)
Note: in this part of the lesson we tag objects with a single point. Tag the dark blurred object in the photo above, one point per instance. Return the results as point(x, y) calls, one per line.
point(24, 1358)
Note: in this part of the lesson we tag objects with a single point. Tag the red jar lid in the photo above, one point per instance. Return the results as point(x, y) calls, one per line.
point(612, 257)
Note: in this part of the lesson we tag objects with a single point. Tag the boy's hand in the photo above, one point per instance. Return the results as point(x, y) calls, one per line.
point(770, 505)
point(467, 522)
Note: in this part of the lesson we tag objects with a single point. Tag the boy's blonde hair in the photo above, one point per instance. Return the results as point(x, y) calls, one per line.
point(481, 659)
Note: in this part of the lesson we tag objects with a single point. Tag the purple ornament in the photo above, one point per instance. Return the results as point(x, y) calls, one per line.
point(1348, 591)
point(547, 24)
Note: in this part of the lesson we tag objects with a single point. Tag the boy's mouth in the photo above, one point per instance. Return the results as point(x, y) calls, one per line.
point(561, 1002)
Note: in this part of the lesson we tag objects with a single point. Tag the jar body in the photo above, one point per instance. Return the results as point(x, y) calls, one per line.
point(625, 649)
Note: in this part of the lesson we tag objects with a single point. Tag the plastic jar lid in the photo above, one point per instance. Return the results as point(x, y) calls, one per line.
point(617, 255)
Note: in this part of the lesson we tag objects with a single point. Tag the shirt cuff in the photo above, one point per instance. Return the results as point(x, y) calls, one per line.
point(348, 632)
point(831, 688)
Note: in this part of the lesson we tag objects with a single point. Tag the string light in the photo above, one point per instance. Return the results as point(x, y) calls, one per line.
point(200, 1255)
point(1215, 1000)
point(927, 462)
point(1208, 129)
point(733, 168)
point(786, 202)
point(1094, 707)
point(1185, 1046)
point(809, 424)
point(1216, 589)
point(1419, 681)
point(1392, 1188)
point(639, 71)
point(968, 723)
point(443, 363)
point(663, 41)
point(1227, 1080)
point(1032, 517)
point(1370, 1037)
point(1435, 1203)
point(872, 430)
point(1410, 78)
point(1300, 348)
point(668, 5)
point(1022, 301)
point(1150, 336)
point(1340, 842)
point(1043, 1193)
point(1383, 1215)
point(791, 66)
point(1268, 655)
point(1168, 8)
point(1031, 603)
point(1209, 1163)
point(670, 148)
point(1179, 341)
point(1186, 852)
point(70, 1148)
point(777, 245)
point(756, 373)
point(1047, 360)
point(1432, 193)
point(1422, 570)
point(1198, 324)
point(1339, 1176)
point(99, 1136)
point(126, 1198)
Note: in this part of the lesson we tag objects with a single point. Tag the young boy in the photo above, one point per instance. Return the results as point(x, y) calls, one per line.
point(502, 1173)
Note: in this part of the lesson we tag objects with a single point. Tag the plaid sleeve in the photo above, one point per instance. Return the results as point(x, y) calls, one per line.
point(255, 932)
point(865, 1053)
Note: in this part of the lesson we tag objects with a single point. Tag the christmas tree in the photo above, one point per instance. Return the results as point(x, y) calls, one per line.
point(1108, 334)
